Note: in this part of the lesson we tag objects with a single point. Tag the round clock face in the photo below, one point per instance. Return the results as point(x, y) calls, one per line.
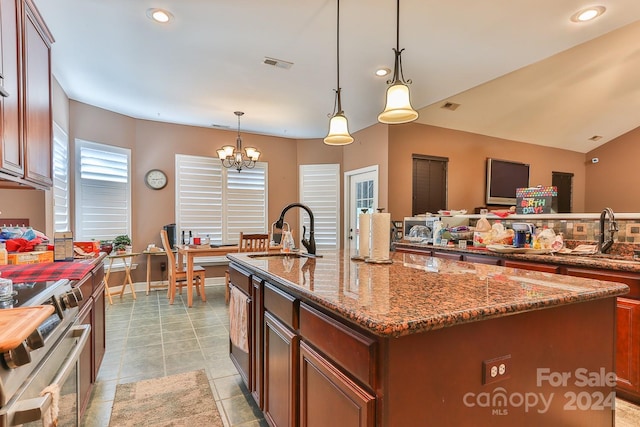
point(155, 179)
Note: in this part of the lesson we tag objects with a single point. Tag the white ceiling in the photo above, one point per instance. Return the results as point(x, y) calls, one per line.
point(521, 70)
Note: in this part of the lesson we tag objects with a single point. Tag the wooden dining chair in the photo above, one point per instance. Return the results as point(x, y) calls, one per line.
point(178, 276)
point(256, 242)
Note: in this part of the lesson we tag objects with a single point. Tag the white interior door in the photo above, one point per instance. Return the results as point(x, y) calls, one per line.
point(361, 196)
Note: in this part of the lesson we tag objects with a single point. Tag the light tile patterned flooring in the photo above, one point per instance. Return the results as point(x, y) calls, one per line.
point(148, 338)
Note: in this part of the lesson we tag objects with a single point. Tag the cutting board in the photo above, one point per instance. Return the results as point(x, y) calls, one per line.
point(16, 324)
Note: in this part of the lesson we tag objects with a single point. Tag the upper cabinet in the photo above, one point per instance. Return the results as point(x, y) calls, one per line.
point(27, 133)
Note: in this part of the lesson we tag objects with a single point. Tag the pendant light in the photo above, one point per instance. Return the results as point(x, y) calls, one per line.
point(235, 158)
point(398, 107)
point(338, 126)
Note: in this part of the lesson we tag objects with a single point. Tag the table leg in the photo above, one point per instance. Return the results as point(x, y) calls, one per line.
point(189, 280)
point(148, 273)
point(106, 282)
point(127, 277)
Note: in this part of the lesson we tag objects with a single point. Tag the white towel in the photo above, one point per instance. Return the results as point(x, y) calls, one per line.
point(238, 319)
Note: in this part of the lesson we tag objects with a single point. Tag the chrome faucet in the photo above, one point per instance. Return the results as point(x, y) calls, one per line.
point(604, 246)
point(310, 244)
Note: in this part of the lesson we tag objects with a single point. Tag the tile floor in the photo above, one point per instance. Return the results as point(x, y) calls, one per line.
point(148, 338)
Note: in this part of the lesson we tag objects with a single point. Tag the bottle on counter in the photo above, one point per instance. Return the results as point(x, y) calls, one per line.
point(287, 242)
point(4, 255)
point(190, 237)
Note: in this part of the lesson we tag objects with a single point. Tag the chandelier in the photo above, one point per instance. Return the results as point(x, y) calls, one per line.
point(338, 126)
point(234, 157)
point(398, 107)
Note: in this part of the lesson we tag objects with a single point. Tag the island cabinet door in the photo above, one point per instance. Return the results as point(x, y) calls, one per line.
point(524, 265)
point(257, 333)
point(328, 395)
point(627, 348)
point(280, 373)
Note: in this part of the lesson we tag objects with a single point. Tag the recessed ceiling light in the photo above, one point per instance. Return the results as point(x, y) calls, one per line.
point(588, 14)
point(159, 15)
point(381, 72)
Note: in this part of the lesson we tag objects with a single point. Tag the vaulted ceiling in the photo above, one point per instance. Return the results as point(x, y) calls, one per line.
point(520, 70)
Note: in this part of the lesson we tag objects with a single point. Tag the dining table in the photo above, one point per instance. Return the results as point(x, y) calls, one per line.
point(189, 252)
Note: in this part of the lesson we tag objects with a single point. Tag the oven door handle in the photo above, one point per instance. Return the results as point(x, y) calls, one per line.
point(30, 410)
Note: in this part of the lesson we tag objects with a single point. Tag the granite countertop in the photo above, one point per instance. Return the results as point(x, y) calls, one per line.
point(599, 261)
point(418, 293)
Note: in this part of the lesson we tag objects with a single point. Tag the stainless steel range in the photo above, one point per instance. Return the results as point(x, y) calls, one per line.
point(47, 359)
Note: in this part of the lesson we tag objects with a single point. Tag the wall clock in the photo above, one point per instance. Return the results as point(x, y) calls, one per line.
point(155, 179)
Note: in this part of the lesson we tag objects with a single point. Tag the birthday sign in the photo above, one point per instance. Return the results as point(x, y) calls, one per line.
point(535, 200)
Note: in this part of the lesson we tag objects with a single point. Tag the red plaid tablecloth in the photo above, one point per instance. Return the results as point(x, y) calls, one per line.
point(45, 271)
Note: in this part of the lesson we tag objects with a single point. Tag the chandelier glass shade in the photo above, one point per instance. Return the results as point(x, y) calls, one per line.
point(234, 157)
point(338, 125)
point(398, 107)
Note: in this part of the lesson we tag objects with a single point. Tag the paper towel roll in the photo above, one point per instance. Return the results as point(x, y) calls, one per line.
point(380, 236)
point(364, 234)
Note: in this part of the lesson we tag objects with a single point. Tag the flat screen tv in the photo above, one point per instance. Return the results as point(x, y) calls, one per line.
point(503, 177)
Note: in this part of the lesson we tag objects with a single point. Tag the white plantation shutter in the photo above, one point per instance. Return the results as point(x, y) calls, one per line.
point(61, 211)
point(320, 191)
point(219, 202)
point(103, 191)
point(245, 201)
point(199, 197)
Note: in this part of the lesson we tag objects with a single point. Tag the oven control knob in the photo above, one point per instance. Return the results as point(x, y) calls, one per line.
point(68, 300)
point(17, 357)
point(78, 293)
point(35, 340)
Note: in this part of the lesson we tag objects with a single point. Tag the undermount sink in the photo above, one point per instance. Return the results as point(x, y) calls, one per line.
point(275, 255)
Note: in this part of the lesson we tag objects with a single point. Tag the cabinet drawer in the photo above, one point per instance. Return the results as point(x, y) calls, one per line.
point(479, 259)
point(348, 348)
point(241, 279)
point(448, 255)
point(98, 277)
point(281, 305)
point(545, 268)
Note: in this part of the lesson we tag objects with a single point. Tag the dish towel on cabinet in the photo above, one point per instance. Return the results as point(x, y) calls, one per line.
point(238, 319)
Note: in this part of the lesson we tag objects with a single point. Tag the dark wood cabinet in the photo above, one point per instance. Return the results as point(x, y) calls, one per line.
point(27, 132)
point(280, 373)
point(37, 123)
point(98, 325)
point(328, 395)
point(628, 349)
point(11, 153)
point(85, 360)
point(453, 256)
point(257, 359)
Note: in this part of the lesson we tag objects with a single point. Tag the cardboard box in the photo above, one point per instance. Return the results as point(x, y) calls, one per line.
point(88, 247)
point(34, 257)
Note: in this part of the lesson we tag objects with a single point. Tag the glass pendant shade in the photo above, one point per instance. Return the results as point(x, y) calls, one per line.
point(398, 107)
point(224, 152)
point(338, 131)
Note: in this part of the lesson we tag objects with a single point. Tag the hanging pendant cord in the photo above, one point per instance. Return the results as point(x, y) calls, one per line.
point(338, 100)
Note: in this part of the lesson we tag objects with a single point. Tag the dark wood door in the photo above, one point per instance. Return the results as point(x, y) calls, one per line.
point(429, 184)
point(627, 348)
point(257, 359)
point(11, 153)
point(280, 373)
point(327, 395)
point(98, 330)
point(85, 365)
point(563, 181)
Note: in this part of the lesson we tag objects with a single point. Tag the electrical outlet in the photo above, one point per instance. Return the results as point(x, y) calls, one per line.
point(163, 266)
point(498, 369)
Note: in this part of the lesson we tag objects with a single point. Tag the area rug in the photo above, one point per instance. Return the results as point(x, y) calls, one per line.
point(177, 400)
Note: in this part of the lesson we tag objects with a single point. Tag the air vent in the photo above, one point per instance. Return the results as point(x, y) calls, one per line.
point(595, 138)
point(215, 125)
point(277, 63)
point(450, 106)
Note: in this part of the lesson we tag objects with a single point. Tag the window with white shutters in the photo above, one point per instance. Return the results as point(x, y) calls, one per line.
point(103, 191)
point(216, 202)
point(320, 191)
point(61, 211)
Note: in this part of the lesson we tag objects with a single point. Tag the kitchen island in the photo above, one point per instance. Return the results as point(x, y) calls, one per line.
point(423, 341)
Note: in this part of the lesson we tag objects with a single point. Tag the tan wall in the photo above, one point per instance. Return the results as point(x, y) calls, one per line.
point(467, 154)
point(24, 204)
point(614, 181)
